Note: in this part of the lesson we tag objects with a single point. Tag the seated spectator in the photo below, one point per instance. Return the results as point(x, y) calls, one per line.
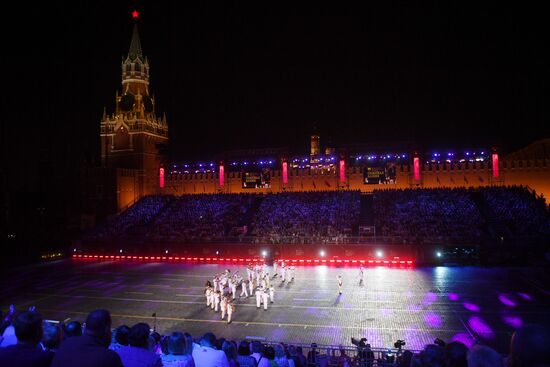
point(300, 355)
point(153, 342)
point(431, 356)
point(206, 355)
point(280, 356)
point(405, 359)
point(230, 350)
point(294, 358)
point(455, 355)
point(269, 355)
point(8, 337)
point(256, 349)
point(51, 338)
point(243, 355)
point(120, 337)
point(482, 356)
point(529, 347)
point(180, 350)
point(73, 328)
point(90, 349)
point(26, 353)
point(137, 353)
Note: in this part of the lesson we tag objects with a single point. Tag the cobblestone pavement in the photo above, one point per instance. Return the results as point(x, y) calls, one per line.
point(417, 305)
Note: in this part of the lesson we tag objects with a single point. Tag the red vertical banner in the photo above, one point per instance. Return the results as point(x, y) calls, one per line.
point(161, 178)
point(285, 173)
point(416, 165)
point(222, 175)
point(342, 170)
point(495, 165)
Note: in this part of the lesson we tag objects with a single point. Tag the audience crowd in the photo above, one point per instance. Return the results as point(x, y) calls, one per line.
point(28, 341)
point(520, 210)
point(417, 214)
point(316, 215)
point(410, 215)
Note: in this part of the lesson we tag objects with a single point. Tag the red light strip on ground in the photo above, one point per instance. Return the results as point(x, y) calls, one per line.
point(242, 260)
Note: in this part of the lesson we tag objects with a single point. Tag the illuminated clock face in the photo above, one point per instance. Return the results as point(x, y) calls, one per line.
point(127, 102)
point(147, 104)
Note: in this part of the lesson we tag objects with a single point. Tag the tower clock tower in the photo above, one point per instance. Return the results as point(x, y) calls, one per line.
point(133, 136)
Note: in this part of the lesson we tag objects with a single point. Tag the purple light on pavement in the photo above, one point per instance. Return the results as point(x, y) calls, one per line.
point(507, 301)
point(480, 327)
point(525, 296)
point(514, 321)
point(453, 296)
point(432, 320)
point(464, 338)
point(430, 298)
point(471, 307)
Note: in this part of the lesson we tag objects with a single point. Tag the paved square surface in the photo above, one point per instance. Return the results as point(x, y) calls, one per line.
point(414, 304)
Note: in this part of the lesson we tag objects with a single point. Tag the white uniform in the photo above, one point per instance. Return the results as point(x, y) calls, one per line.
point(230, 310)
point(216, 283)
point(258, 297)
point(291, 272)
point(361, 275)
point(223, 306)
point(208, 293)
point(265, 297)
point(271, 293)
point(216, 300)
point(244, 289)
point(251, 287)
point(283, 271)
point(340, 283)
point(275, 264)
point(233, 285)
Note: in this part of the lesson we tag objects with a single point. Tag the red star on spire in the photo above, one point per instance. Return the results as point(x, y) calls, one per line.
point(135, 14)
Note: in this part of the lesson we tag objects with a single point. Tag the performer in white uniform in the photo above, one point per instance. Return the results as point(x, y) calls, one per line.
point(223, 306)
point(208, 294)
point(271, 293)
point(265, 297)
point(361, 275)
point(230, 311)
point(283, 271)
point(217, 296)
point(244, 287)
point(258, 297)
point(340, 283)
point(275, 264)
point(233, 285)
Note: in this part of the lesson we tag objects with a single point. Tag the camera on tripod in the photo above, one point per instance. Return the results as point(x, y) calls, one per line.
point(399, 344)
point(360, 343)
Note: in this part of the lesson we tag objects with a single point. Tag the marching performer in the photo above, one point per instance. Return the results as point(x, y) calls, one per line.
point(275, 264)
point(233, 285)
point(340, 282)
point(258, 297)
point(251, 287)
point(216, 282)
point(217, 296)
point(230, 310)
point(265, 297)
point(223, 306)
point(244, 287)
point(208, 294)
point(271, 293)
point(361, 275)
point(283, 271)
point(291, 272)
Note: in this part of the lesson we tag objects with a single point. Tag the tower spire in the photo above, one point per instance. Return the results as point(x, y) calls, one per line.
point(135, 45)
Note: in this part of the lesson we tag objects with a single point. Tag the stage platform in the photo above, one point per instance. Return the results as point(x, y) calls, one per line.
point(414, 304)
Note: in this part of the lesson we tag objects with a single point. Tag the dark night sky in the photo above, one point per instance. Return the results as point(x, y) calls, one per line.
point(229, 77)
